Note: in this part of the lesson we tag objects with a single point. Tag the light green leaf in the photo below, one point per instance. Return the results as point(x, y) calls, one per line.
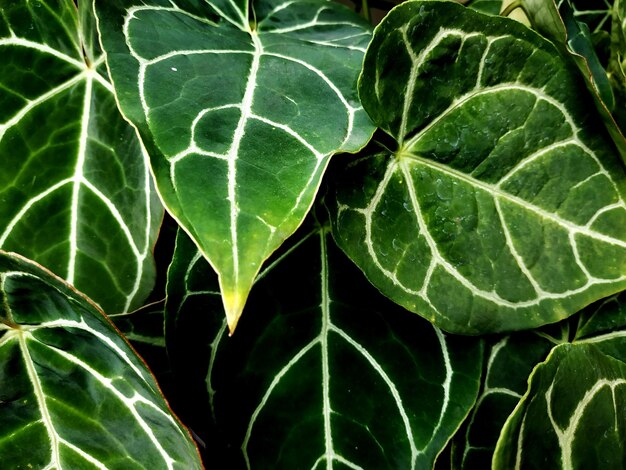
point(560, 24)
point(502, 206)
point(509, 363)
point(334, 374)
point(74, 183)
point(241, 108)
point(73, 393)
point(578, 394)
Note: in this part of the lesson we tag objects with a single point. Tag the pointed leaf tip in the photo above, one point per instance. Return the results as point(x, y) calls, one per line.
point(233, 301)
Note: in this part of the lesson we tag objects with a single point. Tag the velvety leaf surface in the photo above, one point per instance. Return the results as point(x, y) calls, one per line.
point(241, 107)
point(73, 394)
point(74, 183)
point(324, 372)
point(573, 415)
point(509, 363)
point(502, 206)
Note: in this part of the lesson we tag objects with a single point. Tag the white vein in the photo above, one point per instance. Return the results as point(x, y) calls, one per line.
point(129, 403)
point(88, 75)
point(233, 152)
point(322, 340)
point(43, 48)
point(446, 386)
point(566, 436)
point(55, 459)
point(78, 177)
point(84, 326)
point(31, 202)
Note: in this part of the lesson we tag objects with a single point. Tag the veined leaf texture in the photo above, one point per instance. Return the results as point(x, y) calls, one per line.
point(75, 186)
point(501, 206)
point(240, 104)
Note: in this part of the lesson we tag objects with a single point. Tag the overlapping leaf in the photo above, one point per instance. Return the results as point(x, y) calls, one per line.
point(73, 394)
point(509, 363)
point(492, 7)
point(75, 187)
point(578, 394)
point(502, 205)
point(241, 105)
point(334, 374)
point(559, 23)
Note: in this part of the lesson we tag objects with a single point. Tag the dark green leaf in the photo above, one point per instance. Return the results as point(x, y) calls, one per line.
point(509, 363)
point(74, 184)
point(502, 207)
point(560, 24)
point(573, 415)
point(333, 373)
point(73, 393)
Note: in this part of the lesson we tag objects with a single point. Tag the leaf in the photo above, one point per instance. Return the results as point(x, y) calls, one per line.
point(559, 24)
point(241, 108)
point(510, 361)
point(491, 7)
point(73, 394)
point(502, 207)
point(334, 374)
point(75, 186)
point(144, 325)
point(578, 393)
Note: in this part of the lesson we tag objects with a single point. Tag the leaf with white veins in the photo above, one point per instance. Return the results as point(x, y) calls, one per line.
point(241, 105)
point(335, 375)
point(502, 206)
point(576, 395)
point(73, 393)
point(75, 186)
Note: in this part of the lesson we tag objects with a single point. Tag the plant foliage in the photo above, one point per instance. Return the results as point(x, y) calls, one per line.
point(390, 247)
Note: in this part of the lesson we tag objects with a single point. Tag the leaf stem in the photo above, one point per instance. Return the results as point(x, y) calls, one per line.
point(512, 6)
point(365, 7)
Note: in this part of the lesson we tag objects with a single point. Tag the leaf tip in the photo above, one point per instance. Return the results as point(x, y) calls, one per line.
point(234, 302)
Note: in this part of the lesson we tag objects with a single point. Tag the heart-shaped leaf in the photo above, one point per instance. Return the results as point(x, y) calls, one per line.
point(241, 105)
point(73, 393)
point(74, 183)
point(334, 374)
point(502, 206)
point(578, 394)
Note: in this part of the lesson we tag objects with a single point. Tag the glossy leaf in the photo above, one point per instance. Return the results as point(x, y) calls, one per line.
point(559, 23)
point(73, 394)
point(74, 183)
point(334, 374)
point(502, 207)
point(241, 107)
point(509, 363)
point(578, 394)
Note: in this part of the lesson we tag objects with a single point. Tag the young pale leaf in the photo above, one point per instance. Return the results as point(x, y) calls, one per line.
point(578, 394)
point(73, 394)
point(560, 24)
point(502, 207)
point(74, 183)
point(509, 363)
point(241, 105)
point(335, 375)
